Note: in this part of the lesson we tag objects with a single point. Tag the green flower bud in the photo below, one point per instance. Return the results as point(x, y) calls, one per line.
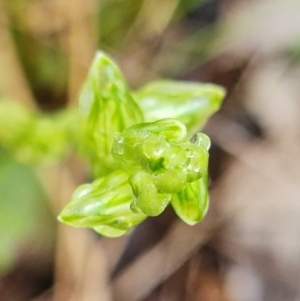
point(141, 143)
point(174, 157)
point(169, 180)
point(148, 200)
point(191, 203)
point(197, 160)
point(103, 205)
point(191, 103)
point(148, 164)
point(107, 107)
point(154, 146)
point(164, 167)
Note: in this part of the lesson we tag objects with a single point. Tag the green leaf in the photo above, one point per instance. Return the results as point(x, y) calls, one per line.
point(24, 215)
point(106, 107)
point(189, 102)
point(103, 205)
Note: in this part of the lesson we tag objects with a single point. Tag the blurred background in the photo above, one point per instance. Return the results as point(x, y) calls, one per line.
point(248, 246)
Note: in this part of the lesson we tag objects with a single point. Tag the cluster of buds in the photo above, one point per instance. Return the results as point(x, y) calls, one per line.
point(158, 166)
point(140, 150)
point(164, 164)
point(139, 145)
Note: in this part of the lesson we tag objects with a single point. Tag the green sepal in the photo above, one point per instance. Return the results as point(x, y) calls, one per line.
point(191, 204)
point(107, 107)
point(189, 102)
point(103, 205)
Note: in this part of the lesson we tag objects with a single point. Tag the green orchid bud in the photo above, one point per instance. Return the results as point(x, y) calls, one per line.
point(148, 200)
point(197, 161)
point(191, 203)
point(103, 205)
point(141, 143)
point(191, 103)
point(170, 129)
point(174, 157)
point(153, 146)
point(107, 107)
point(163, 165)
point(143, 166)
point(169, 180)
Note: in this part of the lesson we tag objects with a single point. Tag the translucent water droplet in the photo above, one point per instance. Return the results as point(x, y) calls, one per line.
point(202, 140)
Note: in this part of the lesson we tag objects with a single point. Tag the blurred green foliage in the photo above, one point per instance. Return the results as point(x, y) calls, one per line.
point(23, 209)
point(32, 137)
point(121, 27)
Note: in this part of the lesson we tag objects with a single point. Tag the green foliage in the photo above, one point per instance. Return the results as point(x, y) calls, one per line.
point(22, 214)
point(187, 5)
point(114, 20)
point(142, 148)
point(32, 138)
